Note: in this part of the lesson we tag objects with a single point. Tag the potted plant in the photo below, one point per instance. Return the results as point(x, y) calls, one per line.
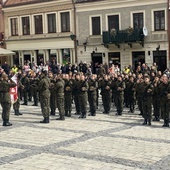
point(129, 30)
point(113, 32)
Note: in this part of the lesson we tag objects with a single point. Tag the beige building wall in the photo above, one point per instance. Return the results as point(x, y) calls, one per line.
point(29, 44)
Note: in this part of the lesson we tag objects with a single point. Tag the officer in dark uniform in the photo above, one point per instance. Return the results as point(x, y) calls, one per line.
point(92, 94)
point(68, 88)
point(5, 98)
point(44, 86)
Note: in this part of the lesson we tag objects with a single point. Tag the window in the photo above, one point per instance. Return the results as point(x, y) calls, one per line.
point(113, 22)
point(25, 26)
point(138, 21)
point(66, 55)
point(159, 20)
point(96, 30)
point(51, 23)
point(14, 26)
point(65, 22)
point(38, 24)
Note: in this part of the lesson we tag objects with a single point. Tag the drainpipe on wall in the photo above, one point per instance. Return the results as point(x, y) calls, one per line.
point(75, 39)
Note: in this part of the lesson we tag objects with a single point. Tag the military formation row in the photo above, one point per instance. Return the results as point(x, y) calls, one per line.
point(126, 90)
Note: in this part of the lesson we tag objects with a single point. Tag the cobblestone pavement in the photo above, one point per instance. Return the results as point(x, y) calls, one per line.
point(103, 142)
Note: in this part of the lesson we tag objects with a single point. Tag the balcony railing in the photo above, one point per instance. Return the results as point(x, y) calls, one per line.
point(123, 36)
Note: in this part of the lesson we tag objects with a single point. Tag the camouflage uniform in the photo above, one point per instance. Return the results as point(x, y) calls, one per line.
point(156, 101)
point(68, 87)
point(83, 97)
point(92, 96)
point(105, 86)
point(147, 91)
point(130, 87)
point(59, 90)
point(34, 83)
point(25, 84)
point(119, 95)
point(52, 96)
point(164, 89)
point(44, 86)
point(75, 95)
point(5, 99)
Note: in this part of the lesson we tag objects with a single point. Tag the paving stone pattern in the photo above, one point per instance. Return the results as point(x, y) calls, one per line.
point(103, 142)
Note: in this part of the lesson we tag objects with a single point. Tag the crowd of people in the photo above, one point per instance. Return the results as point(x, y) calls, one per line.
point(58, 86)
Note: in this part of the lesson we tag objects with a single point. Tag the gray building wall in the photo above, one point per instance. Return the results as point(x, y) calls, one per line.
point(151, 41)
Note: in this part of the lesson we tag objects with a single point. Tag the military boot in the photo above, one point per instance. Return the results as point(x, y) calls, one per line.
point(164, 125)
point(84, 115)
point(61, 118)
point(6, 122)
point(69, 114)
point(52, 112)
point(19, 112)
point(25, 103)
point(16, 112)
point(46, 120)
point(149, 121)
point(145, 122)
point(66, 112)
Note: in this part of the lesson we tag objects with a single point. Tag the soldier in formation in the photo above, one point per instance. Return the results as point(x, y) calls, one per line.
point(59, 91)
point(5, 99)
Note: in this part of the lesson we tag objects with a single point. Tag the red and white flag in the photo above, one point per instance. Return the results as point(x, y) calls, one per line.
point(14, 90)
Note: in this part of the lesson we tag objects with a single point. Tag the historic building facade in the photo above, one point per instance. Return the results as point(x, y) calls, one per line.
point(2, 44)
point(39, 30)
point(123, 32)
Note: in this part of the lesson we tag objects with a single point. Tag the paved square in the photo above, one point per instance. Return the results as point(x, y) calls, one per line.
point(104, 142)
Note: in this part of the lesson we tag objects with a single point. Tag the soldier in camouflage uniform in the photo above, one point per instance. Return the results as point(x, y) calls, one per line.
point(92, 94)
point(44, 86)
point(105, 86)
point(164, 91)
point(156, 99)
point(139, 94)
point(5, 98)
point(68, 88)
point(25, 86)
point(147, 91)
point(75, 93)
point(130, 87)
point(34, 82)
point(82, 95)
point(59, 91)
point(119, 95)
point(52, 94)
